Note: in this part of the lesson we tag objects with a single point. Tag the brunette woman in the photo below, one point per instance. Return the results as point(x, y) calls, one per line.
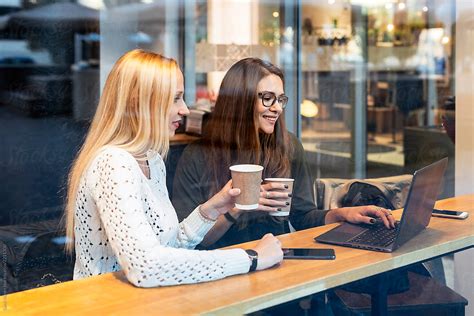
point(248, 126)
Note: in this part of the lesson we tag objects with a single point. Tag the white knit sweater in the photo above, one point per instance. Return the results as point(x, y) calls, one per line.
point(125, 221)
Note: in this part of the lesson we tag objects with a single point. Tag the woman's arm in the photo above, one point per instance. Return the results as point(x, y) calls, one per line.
point(145, 261)
point(221, 226)
point(190, 186)
point(304, 213)
point(361, 214)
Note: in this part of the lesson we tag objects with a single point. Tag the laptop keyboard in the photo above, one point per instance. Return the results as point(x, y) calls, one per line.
point(379, 236)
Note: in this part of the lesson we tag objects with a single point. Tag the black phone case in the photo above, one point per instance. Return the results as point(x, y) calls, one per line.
point(330, 256)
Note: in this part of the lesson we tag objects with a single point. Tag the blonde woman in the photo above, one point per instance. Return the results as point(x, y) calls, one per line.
point(118, 211)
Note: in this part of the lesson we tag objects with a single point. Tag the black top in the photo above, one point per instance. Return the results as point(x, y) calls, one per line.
point(192, 185)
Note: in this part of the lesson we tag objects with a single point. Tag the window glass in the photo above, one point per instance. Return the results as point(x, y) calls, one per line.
point(378, 87)
point(371, 89)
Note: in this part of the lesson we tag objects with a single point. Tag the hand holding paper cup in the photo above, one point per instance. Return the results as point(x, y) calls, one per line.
point(247, 178)
point(285, 211)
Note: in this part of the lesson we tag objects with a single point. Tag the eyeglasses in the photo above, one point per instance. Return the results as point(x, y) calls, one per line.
point(269, 98)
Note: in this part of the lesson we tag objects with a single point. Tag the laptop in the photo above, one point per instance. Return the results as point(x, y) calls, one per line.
point(416, 216)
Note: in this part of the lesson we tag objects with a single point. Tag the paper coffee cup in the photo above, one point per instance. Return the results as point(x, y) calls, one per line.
point(247, 178)
point(285, 211)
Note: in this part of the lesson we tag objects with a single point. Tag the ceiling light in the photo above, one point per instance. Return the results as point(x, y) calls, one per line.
point(309, 108)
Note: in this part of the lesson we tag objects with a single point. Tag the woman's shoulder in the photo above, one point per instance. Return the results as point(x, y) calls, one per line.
point(292, 138)
point(107, 162)
point(197, 150)
point(114, 152)
point(295, 144)
point(112, 156)
point(197, 145)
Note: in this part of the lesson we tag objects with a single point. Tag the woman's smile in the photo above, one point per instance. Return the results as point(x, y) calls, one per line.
point(271, 118)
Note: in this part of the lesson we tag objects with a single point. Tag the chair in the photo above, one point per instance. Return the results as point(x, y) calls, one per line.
point(425, 294)
point(35, 256)
point(329, 192)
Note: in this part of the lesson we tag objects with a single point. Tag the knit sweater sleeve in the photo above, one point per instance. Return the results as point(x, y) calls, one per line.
point(145, 261)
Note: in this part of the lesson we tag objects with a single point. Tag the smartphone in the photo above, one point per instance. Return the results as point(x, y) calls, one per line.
point(309, 253)
point(450, 214)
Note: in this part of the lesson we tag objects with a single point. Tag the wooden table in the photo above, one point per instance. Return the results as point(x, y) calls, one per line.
point(111, 293)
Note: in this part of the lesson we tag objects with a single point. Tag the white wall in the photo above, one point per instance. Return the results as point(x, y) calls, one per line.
point(230, 22)
point(464, 173)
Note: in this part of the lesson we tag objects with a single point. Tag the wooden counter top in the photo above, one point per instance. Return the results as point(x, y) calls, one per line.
point(112, 294)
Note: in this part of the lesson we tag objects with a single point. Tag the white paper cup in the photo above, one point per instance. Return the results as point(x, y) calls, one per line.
point(247, 178)
point(285, 211)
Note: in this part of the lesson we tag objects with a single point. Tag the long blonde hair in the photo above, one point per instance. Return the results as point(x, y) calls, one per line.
point(132, 114)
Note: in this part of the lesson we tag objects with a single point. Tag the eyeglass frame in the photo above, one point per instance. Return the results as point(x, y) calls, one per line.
point(275, 98)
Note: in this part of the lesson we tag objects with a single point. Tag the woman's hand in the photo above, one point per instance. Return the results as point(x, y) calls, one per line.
point(273, 196)
point(361, 214)
point(221, 202)
point(269, 252)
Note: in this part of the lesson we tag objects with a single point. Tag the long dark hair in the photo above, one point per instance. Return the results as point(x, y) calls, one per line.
point(232, 133)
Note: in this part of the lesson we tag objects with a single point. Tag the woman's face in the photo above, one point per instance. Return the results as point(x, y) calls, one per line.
point(268, 116)
point(179, 108)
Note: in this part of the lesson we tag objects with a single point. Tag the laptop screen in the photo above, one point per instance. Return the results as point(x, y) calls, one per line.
point(421, 200)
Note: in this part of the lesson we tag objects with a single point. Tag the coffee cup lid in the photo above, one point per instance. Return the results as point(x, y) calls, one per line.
point(280, 179)
point(246, 168)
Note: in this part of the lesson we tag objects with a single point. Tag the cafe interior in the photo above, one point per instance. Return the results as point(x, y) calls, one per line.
point(372, 87)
